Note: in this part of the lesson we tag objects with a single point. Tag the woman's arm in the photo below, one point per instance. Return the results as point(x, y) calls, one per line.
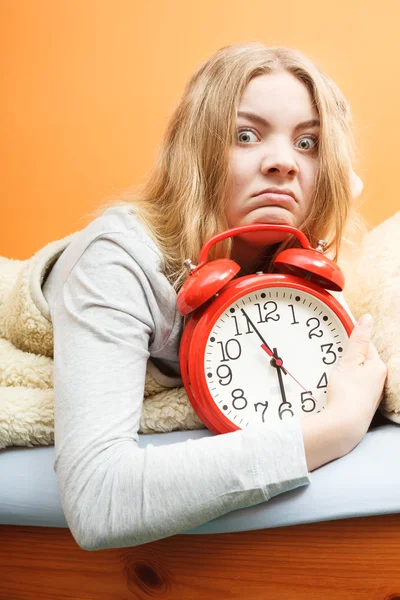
point(113, 493)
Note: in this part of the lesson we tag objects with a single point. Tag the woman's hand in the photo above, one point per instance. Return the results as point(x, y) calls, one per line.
point(355, 388)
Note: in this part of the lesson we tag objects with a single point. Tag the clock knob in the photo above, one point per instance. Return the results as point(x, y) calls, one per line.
point(322, 244)
point(189, 265)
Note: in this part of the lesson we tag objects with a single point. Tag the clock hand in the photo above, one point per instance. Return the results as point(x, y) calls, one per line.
point(282, 388)
point(257, 332)
point(278, 362)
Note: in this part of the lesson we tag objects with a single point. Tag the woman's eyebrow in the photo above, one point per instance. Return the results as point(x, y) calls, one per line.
point(258, 119)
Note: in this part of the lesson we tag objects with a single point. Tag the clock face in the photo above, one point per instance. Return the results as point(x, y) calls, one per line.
point(269, 356)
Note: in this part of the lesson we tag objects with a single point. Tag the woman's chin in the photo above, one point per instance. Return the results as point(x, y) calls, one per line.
point(268, 238)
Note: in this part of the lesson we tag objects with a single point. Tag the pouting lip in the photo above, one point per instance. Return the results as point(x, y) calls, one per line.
point(275, 190)
point(277, 200)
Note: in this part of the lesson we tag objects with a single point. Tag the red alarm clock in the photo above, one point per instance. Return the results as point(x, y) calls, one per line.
point(260, 348)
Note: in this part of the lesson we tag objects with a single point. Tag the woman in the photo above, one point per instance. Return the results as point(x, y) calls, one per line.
point(238, 130)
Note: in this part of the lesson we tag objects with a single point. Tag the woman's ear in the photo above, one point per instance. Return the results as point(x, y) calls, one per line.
point(356, 185)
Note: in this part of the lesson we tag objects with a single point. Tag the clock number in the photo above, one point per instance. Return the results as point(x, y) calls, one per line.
point(237, 326)
point(238, 405)
point(329, 351)
point(323, 382)
point(307, 398)
point(267, 316)
point(271, 311)
point(285, 407)
point(294, 322)
point(311, 333)
point(265, 405)
point(228, 374)
point(229, 353)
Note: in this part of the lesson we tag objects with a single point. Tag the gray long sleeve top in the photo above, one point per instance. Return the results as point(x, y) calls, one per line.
point(112, 310)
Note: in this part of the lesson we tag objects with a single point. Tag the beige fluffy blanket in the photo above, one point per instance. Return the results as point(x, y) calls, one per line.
point(373, 285)
point(26, 361)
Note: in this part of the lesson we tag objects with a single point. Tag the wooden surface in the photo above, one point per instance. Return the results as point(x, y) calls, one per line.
point(352, 559)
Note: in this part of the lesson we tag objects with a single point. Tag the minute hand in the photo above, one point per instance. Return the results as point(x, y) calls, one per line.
point(256, 330)
point(264, 345)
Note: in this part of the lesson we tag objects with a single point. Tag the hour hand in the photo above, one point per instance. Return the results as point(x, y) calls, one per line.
point(285, 406)
point(276, 360)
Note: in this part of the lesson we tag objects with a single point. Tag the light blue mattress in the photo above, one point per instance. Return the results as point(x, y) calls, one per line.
point(365, 482)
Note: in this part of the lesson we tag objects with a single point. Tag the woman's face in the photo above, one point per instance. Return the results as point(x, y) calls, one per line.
point(274, 148)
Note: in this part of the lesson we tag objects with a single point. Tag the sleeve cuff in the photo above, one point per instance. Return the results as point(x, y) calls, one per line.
point(280, 458)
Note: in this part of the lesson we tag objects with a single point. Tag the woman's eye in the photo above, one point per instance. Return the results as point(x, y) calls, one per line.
point(244, 136)
point(305, 143)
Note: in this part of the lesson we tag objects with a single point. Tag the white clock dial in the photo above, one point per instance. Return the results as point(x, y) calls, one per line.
point(247, 383)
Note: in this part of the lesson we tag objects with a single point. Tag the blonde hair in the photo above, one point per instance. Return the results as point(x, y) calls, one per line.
point(182, 202)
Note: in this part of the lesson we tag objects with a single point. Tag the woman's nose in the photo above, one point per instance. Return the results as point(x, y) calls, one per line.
point(279, 160)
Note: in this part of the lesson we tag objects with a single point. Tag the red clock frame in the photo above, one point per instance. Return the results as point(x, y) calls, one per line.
point(201, 322)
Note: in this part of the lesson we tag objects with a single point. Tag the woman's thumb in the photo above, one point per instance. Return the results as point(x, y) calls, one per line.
point(360, 338)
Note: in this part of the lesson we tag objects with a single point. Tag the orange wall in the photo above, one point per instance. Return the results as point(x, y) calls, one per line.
point(88, 86)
